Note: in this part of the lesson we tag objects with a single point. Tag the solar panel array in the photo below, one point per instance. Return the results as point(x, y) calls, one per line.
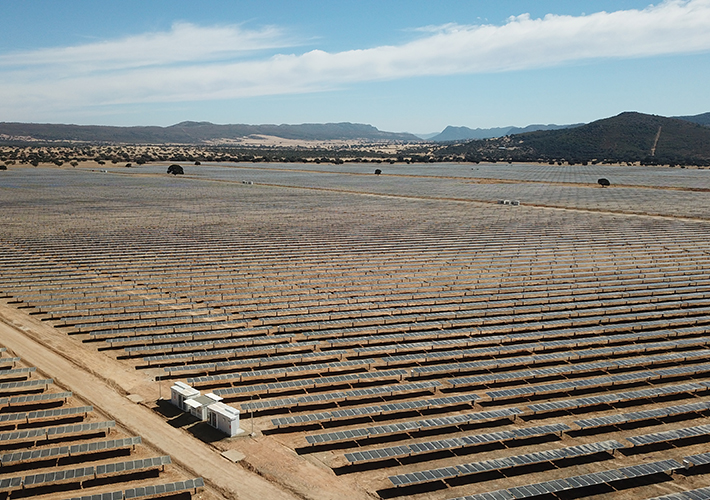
point(52, 431)
point(393, 336)
point(580, 482)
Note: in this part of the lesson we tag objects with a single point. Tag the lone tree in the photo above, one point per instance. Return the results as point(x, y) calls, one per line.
point(175, 170)
point(604, 182)
point(378, 171)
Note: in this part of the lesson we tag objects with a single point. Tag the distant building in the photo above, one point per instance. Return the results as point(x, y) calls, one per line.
point(197, 406)
point(207, 407)
point(181, 392)
point(225, 418)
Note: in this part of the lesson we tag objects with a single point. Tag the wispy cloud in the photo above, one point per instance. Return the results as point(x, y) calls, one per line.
point(191, 63)
point(185, 42)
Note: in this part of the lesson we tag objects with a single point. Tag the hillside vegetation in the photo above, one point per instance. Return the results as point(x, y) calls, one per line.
point(628, 137)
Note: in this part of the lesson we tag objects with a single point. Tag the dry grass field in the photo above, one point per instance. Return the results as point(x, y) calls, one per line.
point(405, 335)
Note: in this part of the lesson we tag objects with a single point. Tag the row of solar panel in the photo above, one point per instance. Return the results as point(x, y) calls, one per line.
point(655, 413)
point(42, 414)
point(617, 397)
point(4, 362)
point(372, 411)
point(581, 368)
point(521, 328)
point(411, 426)
point(275, 289)
point(257, 362)
point(345, 335)
point(572, 344)
point(437, 355)
point(88, 316)
point(276, 372)
point(149, 491)
point(81, 474)
point(492, 324)
point(423, 325)
point(33, 399)
point(498, 307)
point(39, 279)
point(187, 321)
point(467, 469)
point(578, 482)
point(481, 364)
point(454, 443)
point(312, 382)
point(16, 372)
point(607, 380)
point(49, 432)
point(224, 299)
point(348, 395)
point(67, 451)
point(246, 263)
point(696, 494)
point(245, 335)
point(554, 356)
point(672, 435)
point(8, 386)
point(168, 328)
point(273, 348)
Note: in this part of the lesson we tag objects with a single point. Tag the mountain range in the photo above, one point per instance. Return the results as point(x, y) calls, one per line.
point(627, 137)
point(192, 133)
point(452, 133)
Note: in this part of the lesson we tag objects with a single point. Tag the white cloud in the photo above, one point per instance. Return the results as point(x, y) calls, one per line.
point(199, 63)
point(185, 42)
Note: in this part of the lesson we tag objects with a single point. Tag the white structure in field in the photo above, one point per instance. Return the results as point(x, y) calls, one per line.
point(208, 408)
point(181, 392)
point(225, 418)
point(197, 406)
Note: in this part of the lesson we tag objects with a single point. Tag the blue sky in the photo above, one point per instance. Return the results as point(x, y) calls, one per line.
point(413, 65)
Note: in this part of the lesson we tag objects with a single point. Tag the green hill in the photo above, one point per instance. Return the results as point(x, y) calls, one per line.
point(627, 137)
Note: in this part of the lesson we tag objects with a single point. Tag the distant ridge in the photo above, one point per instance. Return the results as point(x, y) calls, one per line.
point(627, 137)
point(451, 133)
point(703, 119)
point(192, 133)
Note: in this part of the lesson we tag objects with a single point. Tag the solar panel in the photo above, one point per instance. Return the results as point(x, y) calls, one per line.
point(131, 465)
point(35, 398)
point(7, 386)
point(659, 437)
point(699, 494)
point(650, 468)
point(348, 395)
point(97, 446)
point(700, 459)
point(416, 425)
point(500, 464)
point(60, 412)
point(16, 371)
point(32, 455)
point(58, 476)
point(577, 482)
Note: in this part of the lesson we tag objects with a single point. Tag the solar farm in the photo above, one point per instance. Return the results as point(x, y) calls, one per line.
point(52, 446)
point(405, 335)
